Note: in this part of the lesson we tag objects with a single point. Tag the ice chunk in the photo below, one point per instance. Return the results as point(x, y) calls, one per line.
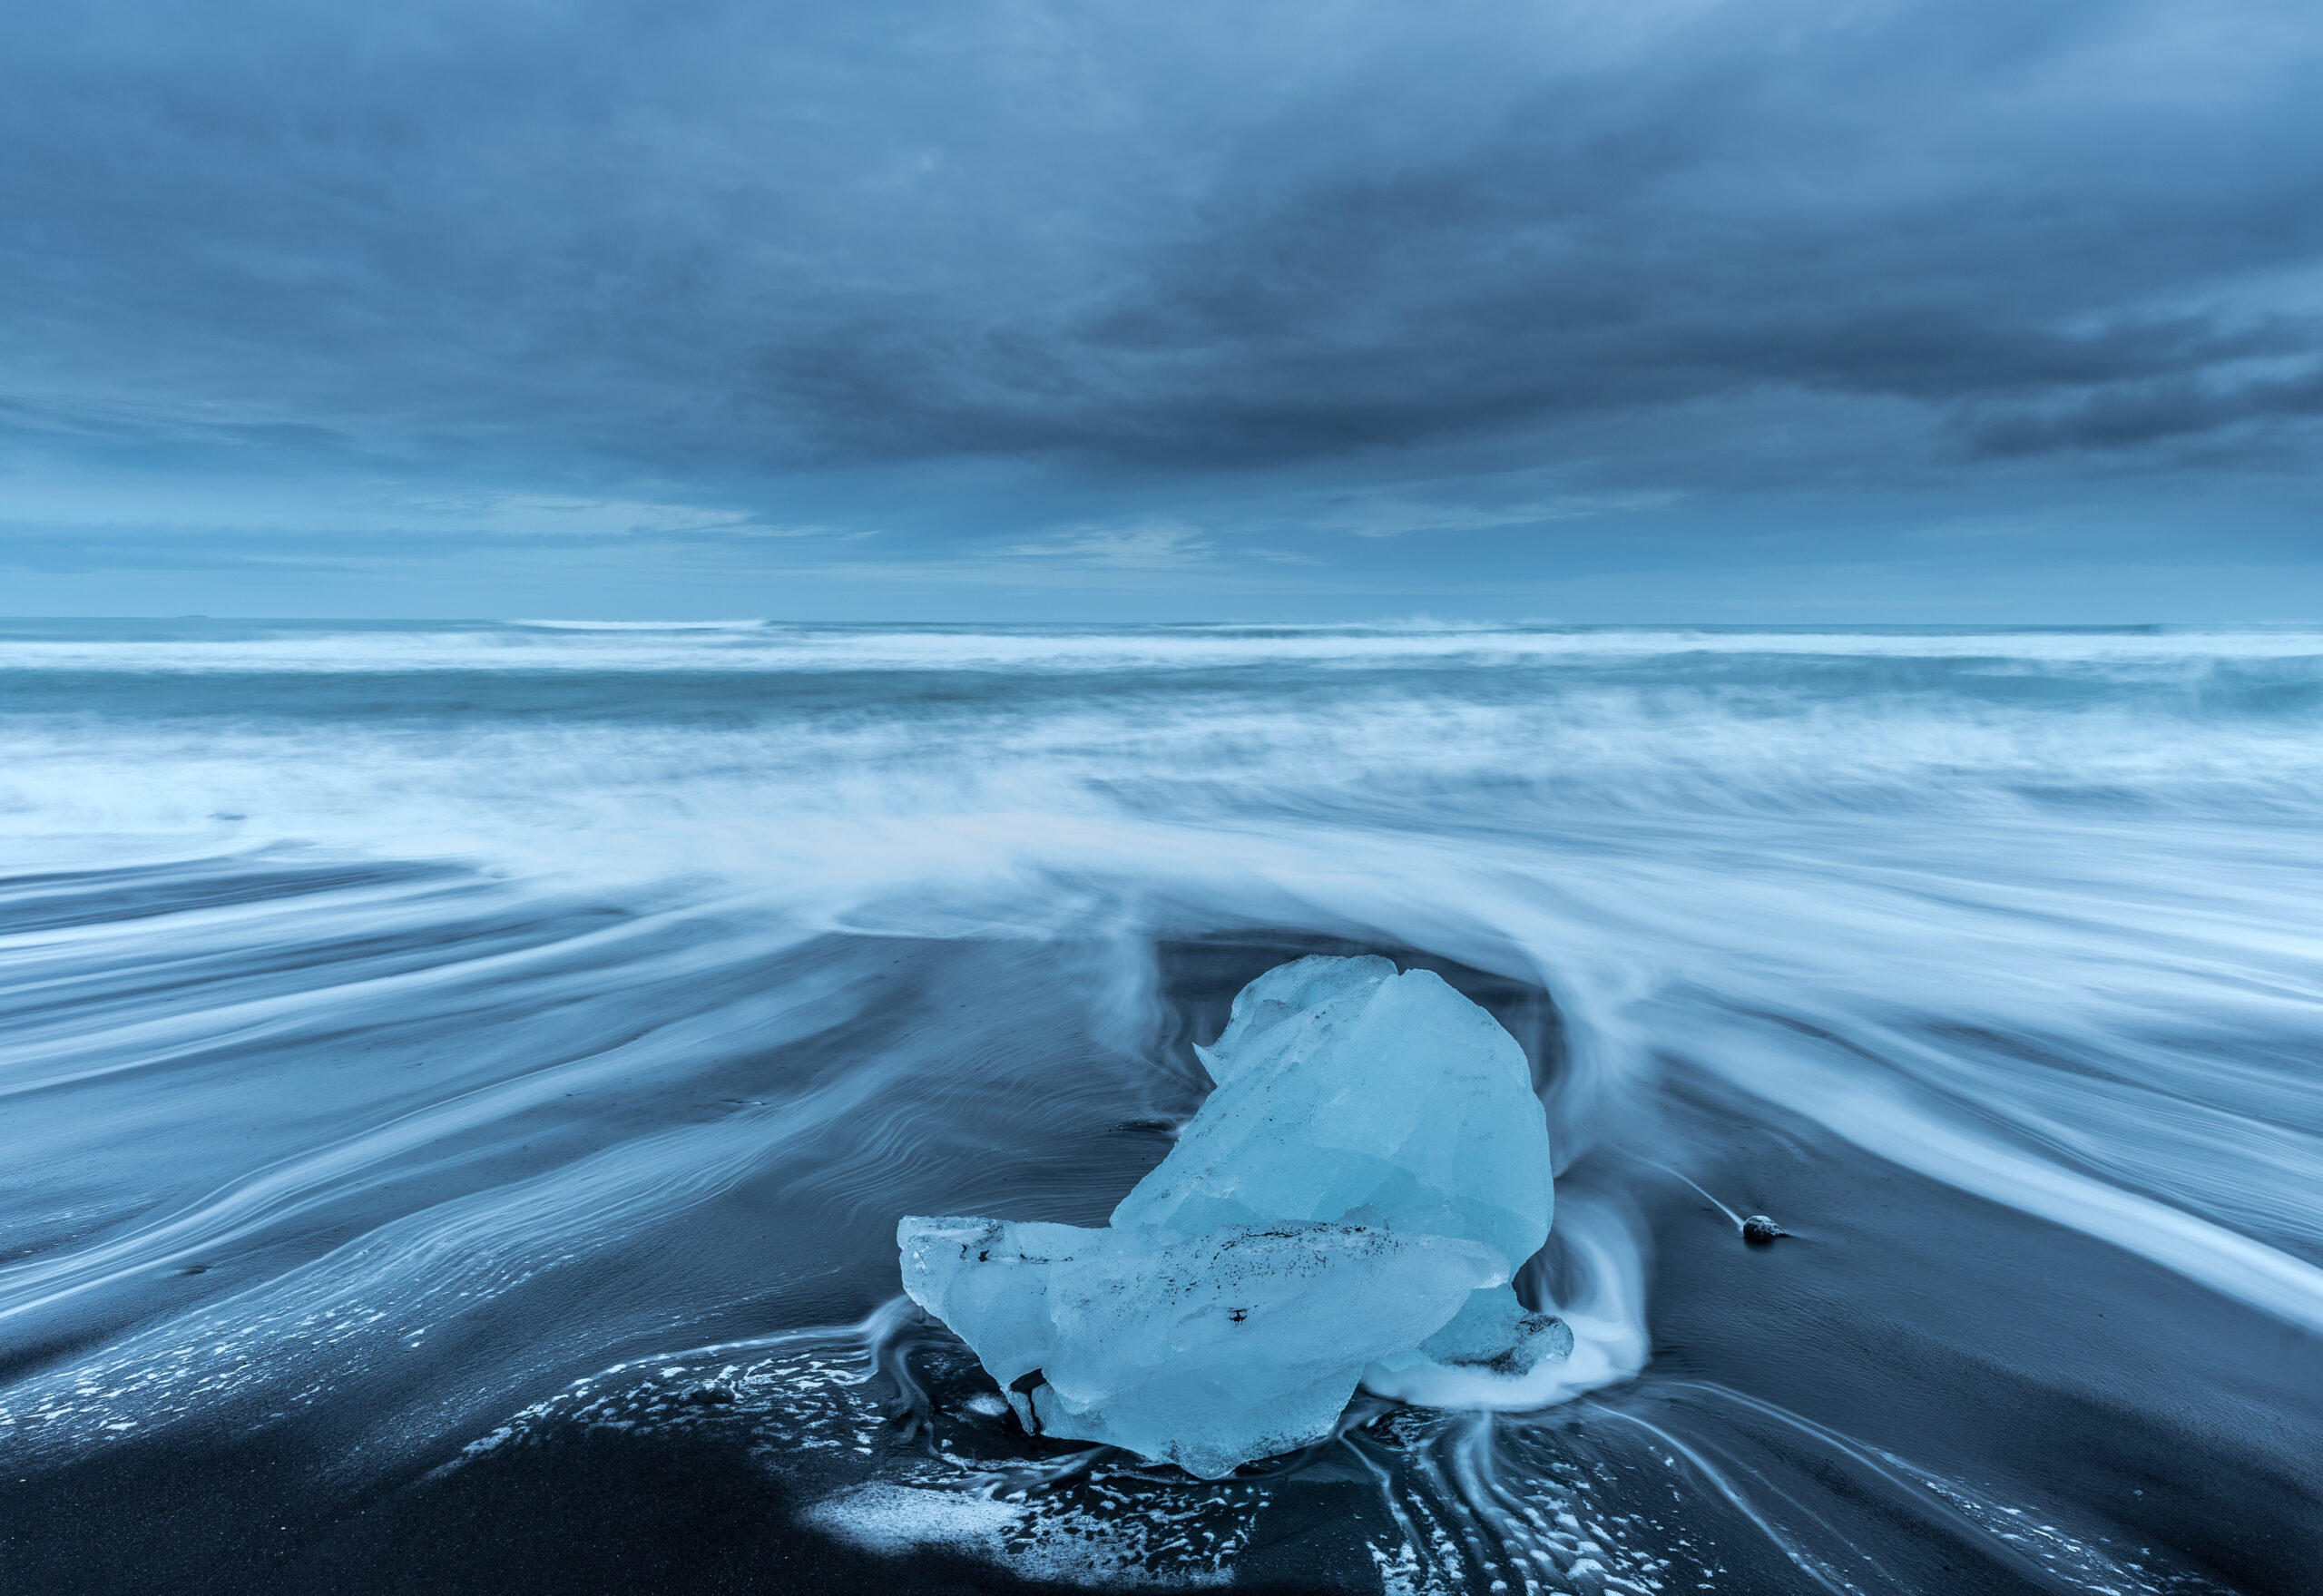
point(1348, 1093)
point(1350, 1202)
point(1205, 1350)
point(1494, 1340)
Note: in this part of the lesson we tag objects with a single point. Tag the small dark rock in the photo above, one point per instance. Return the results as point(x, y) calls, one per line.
point(1759, 1230)
point(710, 1396)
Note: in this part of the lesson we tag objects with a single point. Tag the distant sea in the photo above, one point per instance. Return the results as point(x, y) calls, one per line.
point(459, 1082)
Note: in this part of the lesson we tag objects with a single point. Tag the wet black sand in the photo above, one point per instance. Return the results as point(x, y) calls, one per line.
point(1903, 1333)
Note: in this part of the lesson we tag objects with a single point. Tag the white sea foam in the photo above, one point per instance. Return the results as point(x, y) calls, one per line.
point(761, 645)
point(896, 1519)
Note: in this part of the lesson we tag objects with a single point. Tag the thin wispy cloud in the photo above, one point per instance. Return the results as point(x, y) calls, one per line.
point(1151, 547)
point(1394, 517)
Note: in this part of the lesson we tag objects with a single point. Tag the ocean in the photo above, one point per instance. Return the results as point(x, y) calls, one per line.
point(459, 1083)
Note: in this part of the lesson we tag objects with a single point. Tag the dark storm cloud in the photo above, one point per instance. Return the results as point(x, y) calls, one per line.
point(738, 241)
point(2129, 415)
point(1848, 211)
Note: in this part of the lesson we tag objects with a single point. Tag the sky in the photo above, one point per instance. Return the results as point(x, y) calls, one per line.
point(1580, 310)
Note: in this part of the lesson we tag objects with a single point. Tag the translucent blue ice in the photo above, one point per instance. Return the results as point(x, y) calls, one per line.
point(1205, 1351)
point(1350, 1204)
point(1346, 1091)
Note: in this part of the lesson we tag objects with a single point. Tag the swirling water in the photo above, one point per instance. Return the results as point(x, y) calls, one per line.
point(459, 1083)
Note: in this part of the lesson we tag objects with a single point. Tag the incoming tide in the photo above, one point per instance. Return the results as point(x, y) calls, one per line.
point(459, 1083)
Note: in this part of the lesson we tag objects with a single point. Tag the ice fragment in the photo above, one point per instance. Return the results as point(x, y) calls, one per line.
point(1205, 1350)
point(1350, 1202)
